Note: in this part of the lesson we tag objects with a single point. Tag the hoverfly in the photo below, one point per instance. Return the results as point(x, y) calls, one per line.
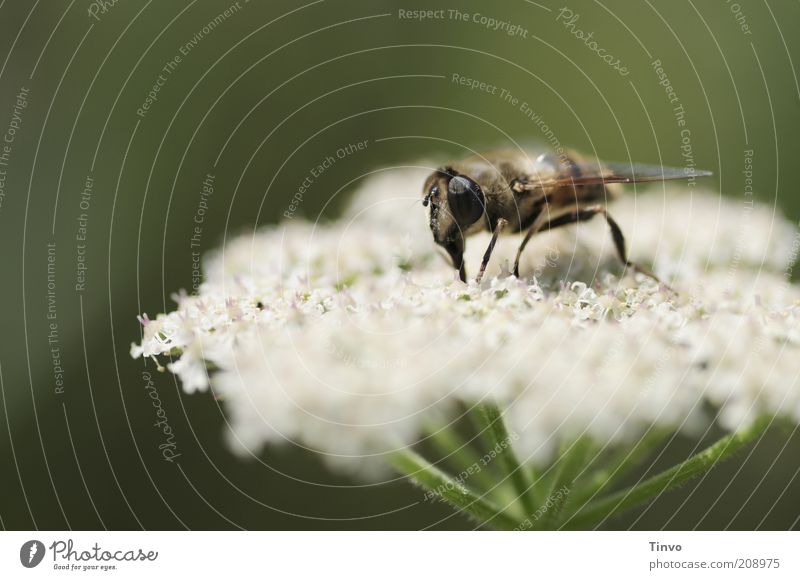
point(514, 191)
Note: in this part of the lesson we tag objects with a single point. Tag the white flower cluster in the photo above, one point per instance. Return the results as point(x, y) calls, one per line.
point(350, 338)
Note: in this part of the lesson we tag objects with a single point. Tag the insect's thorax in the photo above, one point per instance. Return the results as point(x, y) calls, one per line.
point(497, 172)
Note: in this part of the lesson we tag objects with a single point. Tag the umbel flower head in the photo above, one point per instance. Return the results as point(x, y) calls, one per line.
point(350, 338)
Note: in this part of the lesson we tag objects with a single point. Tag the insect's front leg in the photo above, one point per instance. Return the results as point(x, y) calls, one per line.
point(541, 220)
point(454, 246)
point(501, 224)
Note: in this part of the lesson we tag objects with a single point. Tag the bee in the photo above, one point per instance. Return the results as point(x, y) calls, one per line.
point(515, 191)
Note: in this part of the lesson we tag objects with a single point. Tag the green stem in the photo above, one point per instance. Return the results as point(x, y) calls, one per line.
point(447, 442)
point(569, 465)
point(619, 465)
point(620, 501)
point(494, 426)
point(439, 484)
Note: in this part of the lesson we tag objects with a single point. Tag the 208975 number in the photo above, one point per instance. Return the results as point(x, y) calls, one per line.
point(758, 563)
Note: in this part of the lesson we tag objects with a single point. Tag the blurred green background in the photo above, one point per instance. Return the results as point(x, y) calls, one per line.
point(272, 90)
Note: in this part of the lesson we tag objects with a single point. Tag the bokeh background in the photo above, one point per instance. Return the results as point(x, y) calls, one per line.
point(256, 102)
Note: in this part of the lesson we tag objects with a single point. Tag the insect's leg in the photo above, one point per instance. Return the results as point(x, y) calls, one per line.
point(501, 223)
point(537, 225)
point(619, 242)
point(616, 234)
point(458, 264)
point(454, 246)
point(576, 215)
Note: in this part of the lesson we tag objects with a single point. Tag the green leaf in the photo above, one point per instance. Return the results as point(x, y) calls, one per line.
point(616, 503)
point(618, 465)
point(461, 455)
point(439, 484)
point(493, 426)
point(567, 468)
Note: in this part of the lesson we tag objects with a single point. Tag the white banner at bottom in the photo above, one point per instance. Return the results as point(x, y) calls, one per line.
point(399, 555)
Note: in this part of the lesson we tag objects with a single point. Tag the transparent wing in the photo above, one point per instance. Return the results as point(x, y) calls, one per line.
point(592, 174)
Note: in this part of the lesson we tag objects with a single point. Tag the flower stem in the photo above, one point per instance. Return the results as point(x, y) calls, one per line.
point(614, 504)
point(619, 465)
point(439, 484)
point(569, 465)
point(494, 427)
point(447, 442)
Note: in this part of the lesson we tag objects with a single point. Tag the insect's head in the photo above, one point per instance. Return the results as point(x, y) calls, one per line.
point(456, 202)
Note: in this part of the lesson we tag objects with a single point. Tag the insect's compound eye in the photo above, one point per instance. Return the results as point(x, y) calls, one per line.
point(465, 200)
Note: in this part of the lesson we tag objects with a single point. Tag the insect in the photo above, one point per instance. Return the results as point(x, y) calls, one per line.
point(515, 191)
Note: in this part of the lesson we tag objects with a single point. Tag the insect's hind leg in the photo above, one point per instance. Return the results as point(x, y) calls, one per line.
point(618, 237)
point(541, 220)
point(619, 243)
point(582, 215)
point(547, 220)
